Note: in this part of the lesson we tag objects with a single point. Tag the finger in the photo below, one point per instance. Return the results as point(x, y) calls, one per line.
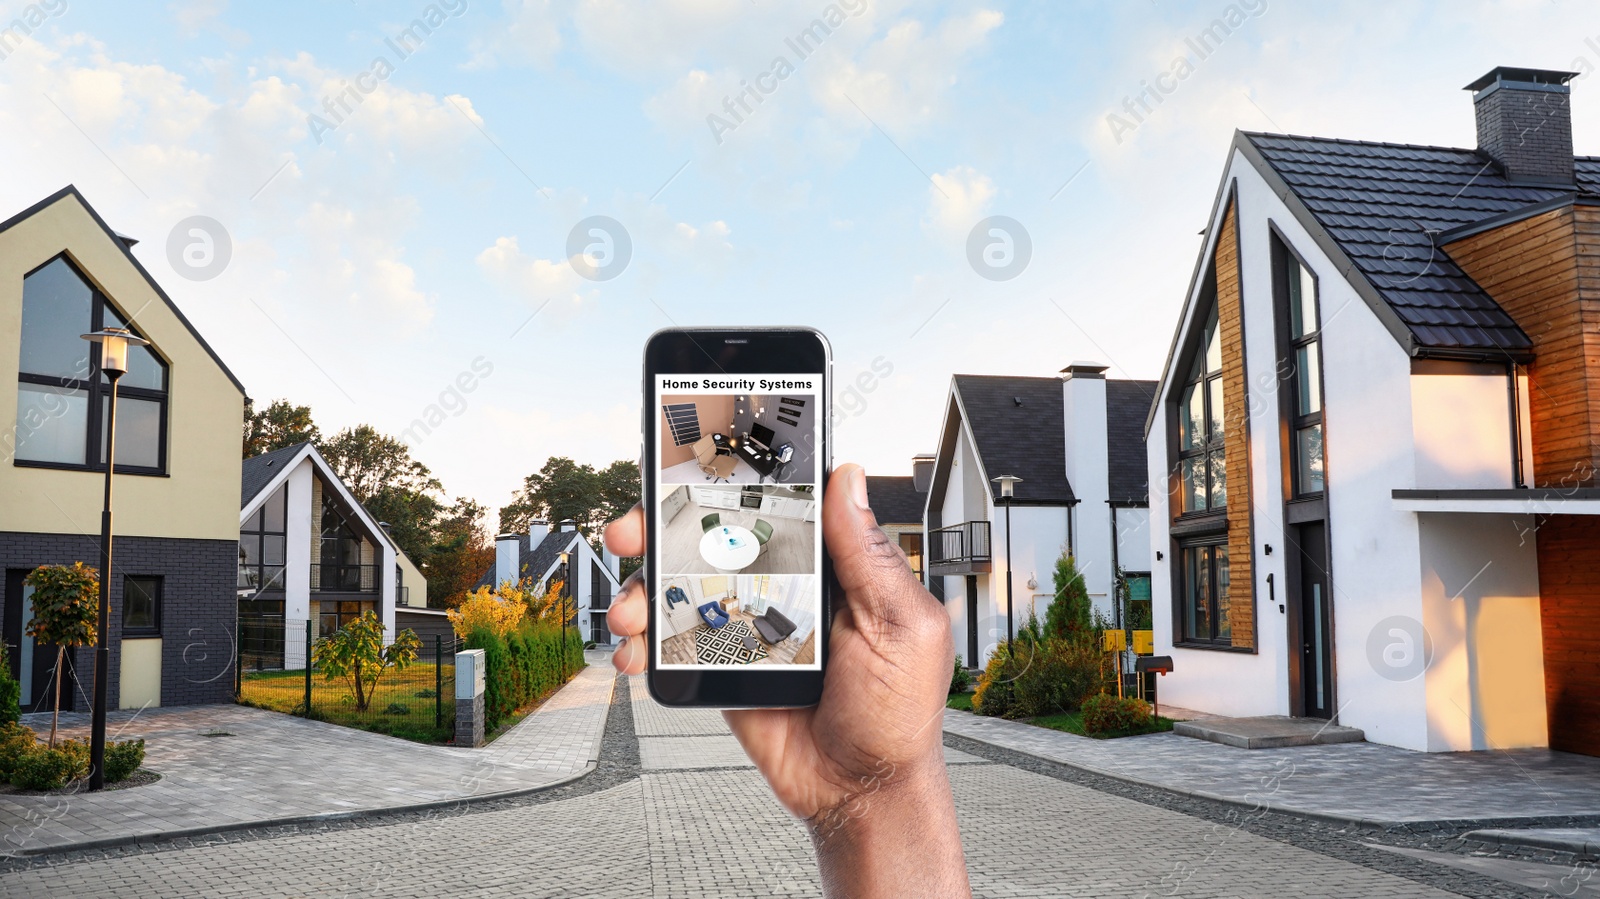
point(629, 612)
point(631, 656)
point(876, 578)
point(625, 536)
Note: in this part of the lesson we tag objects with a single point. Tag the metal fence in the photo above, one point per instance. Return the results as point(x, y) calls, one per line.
point(415, 703)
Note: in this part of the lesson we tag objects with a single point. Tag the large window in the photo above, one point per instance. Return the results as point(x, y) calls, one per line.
point(1203, 572)
point(1202, 478)
point(340, 569)
point(141, 606)
point(912, 545)
point(333, 615)
point(261, 545)
point(1305, 345)
point(63, 397)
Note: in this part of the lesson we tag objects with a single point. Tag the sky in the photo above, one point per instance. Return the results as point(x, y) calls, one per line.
point(477, 222)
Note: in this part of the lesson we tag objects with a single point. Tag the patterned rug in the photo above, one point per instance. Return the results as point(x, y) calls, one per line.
point(724, 646)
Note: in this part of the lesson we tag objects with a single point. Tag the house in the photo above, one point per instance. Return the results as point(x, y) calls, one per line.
point(1075, 442)
point(898, 501)
point(311, 556)
point(1376, 431)
point(537, 556)
point(64, 272)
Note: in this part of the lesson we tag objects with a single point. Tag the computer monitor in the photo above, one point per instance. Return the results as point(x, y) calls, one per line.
point(761, 434)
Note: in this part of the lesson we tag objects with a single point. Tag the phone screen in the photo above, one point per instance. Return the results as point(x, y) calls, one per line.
point(738, 559)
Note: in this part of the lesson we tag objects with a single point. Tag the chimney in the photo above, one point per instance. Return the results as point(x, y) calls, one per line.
point(507, 558)
point(922, 471)
point(566, 525)
point(1083, 398)
point(538, 529)
point(1525, 123)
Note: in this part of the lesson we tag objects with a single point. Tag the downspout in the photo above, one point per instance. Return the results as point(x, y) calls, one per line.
point(1116, 570)
point(1515, 405)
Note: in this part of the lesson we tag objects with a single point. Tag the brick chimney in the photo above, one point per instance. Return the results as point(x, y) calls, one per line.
point(1525, 122)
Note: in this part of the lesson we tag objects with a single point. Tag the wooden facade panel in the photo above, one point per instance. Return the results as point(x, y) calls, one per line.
point(1236, 452)
point(1545, 272)
point(1569, 611)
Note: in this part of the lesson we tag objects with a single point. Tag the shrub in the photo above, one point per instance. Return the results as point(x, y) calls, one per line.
point(1060, 673)
point(78, 752)
point(1105, 715)
point(66, 610)
point(996, 695)
point(484, 610)
point(522, 666)
point(397, 708)
point(43, 768)
point(15, 742)
point(123, 757)
point(356, 654)
point(959, 678)
point(1068, 614)
point(10, 697)
point(426, 693)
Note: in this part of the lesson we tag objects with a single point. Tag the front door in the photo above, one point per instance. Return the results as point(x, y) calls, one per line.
point(1316, 620)
point(972, 621)
point(33, 665)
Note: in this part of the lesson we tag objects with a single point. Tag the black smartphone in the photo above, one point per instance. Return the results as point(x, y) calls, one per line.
point(735, 464)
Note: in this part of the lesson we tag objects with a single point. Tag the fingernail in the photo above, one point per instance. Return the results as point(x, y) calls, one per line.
point(858, 488)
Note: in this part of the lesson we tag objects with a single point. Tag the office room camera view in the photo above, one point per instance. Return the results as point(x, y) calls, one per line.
point(737, 530)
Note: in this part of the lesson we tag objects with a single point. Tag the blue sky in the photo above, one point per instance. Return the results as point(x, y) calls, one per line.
point(375, 261)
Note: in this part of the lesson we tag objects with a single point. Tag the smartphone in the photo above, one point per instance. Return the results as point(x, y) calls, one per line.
point(735, 464)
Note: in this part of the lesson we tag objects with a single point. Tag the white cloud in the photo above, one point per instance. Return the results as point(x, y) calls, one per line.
point(957, 199)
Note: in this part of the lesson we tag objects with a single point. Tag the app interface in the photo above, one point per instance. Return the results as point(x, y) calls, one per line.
point(738, 527)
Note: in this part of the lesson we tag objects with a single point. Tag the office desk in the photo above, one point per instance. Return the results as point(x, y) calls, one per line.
point(765, 463)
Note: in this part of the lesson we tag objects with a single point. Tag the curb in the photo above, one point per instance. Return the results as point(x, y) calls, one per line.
point(1426, 824)
point(1580, 847)
point(322, 817)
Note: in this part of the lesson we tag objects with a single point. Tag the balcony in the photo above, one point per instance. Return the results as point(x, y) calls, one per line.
point(327, 578)
point(960, 549)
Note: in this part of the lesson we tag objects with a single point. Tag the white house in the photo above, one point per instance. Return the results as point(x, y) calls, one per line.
point(1076, 444)
point(1373, 430)
point(310, 555)
point(536, 555)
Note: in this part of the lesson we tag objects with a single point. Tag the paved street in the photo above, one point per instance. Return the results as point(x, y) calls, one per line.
point(674, 810)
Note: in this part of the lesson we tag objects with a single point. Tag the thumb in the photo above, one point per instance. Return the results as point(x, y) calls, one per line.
point(877, 580)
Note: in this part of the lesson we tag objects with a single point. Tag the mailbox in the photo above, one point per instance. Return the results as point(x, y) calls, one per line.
point(1158, 664)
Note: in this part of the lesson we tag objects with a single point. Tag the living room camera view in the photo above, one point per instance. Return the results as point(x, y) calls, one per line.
point(727, 438)
point(746, 619)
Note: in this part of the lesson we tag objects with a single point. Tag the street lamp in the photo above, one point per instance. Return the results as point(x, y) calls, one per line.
point(566, 591)
point(1008, 485)
point(114, 344)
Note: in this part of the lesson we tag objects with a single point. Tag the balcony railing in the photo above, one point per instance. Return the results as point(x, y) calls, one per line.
point(964, 544)
point(326, 578)
point(599, 602)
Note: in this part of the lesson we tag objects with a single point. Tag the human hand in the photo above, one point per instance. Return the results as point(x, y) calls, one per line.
point(865, 766)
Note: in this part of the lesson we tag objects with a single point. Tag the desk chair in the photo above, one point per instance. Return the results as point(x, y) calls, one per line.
point(714, 466)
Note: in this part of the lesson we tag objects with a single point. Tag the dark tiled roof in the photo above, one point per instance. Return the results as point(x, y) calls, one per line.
point(535, 562)
point(895, 500)
point(258, 471)
point(1027, 439)
point(1384, 205)
point(1127, 403)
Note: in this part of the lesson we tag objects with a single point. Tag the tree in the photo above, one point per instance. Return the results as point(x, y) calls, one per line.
point(460, 553)
point(356, 654)
point(66, 608)
point(564, 489)
point(394, 487)
point(279, 425)
point(619, 489)
point(1068, 615)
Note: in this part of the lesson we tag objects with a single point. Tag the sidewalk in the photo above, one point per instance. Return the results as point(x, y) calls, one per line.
point(225, 767)
point(1362, 783)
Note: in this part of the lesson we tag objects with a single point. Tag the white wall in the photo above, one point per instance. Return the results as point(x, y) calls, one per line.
point(1461, 426)
point(1133, 538)
point(1480, 611)
point(1084, 417)
point(297, 559)
point(1038, 535)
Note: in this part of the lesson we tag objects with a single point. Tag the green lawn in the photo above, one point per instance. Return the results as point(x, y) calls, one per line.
point(1072, 723)
point(284, 691)
point(962, 701)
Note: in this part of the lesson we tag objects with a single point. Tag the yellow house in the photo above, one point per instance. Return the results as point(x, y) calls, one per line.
point(64, 272)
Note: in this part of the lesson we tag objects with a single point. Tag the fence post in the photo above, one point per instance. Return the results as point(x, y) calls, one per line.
point(308, 668)
point(238, 659)
point(438, 681)
point(470, 683)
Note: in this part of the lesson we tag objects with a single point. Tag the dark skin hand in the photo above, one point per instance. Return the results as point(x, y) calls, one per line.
point(865, 767)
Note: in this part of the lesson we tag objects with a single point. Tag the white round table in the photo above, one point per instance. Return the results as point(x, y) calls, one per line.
point(729, 548)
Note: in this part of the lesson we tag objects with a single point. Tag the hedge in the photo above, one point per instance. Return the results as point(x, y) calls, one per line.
point(522, 667)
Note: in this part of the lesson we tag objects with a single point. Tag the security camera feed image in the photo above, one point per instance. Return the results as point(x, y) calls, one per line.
point(737, 532)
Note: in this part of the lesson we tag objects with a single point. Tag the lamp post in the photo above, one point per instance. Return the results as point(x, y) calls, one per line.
point(1008, 492)
point(566, 591)
point(114, 344)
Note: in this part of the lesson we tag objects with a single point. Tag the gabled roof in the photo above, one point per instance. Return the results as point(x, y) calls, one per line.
point(1017, 424)
point(1127, 403)
point(536, 561)
point(895, 499)
point(123, 244)
point(1383, 208)
point(259, 471)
